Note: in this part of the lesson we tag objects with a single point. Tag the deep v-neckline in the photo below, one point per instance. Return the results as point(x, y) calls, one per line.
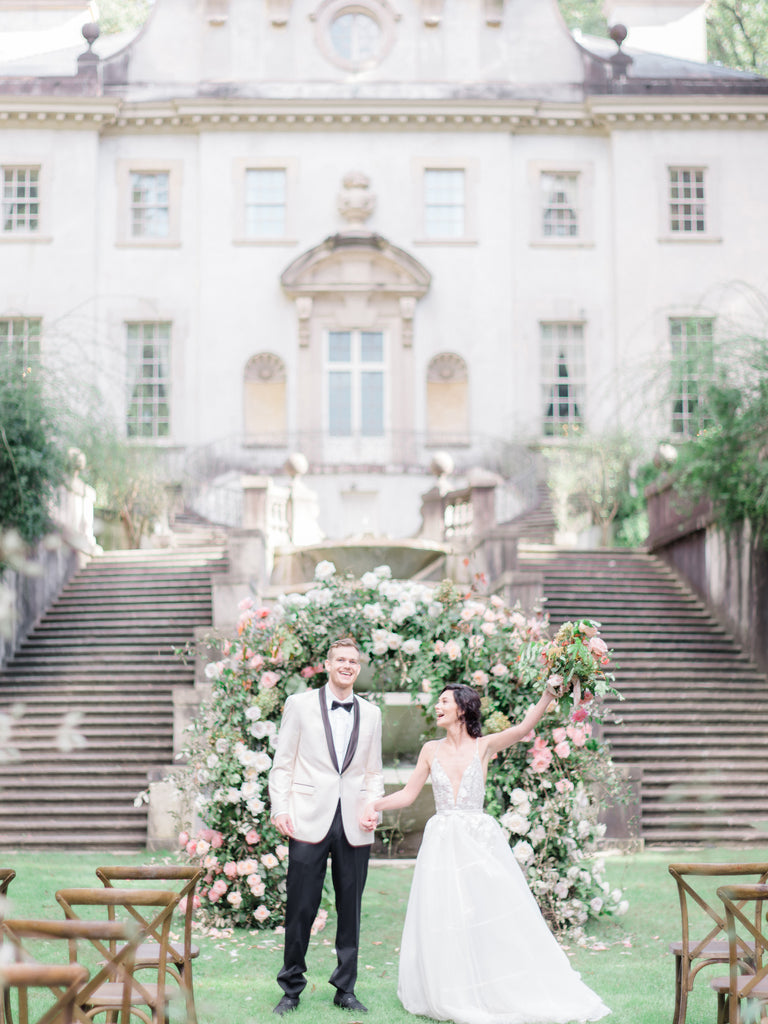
point(455, 793)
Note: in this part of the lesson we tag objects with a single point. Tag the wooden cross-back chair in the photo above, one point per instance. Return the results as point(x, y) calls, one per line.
point(701, 907)
point(744, 927)
point(63, 981)
point(109, 945)
point(151, 994)
point(7, 875)
point(180, 955)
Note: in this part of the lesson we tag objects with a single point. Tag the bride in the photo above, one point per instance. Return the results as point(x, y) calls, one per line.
point(475, 948)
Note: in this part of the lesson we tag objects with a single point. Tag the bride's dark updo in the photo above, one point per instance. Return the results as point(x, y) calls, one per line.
point(468, 703)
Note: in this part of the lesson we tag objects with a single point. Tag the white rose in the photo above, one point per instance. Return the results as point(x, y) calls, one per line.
point(411, 646)
point(523, 851)
point(324, 570)
point(222, 746)
point(212, 760)
point(596, 905)
point(253, 713)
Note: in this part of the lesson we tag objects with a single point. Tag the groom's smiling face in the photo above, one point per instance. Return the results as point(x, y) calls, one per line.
point(343, 668)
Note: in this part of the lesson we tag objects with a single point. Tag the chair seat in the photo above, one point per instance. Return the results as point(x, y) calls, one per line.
point(147, 952)
point(723, 984)
point(714, 948)
point(111, 994)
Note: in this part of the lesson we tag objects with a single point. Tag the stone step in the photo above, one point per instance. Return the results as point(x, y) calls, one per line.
point(70, 837)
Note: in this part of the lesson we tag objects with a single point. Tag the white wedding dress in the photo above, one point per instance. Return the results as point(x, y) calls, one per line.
point(475, 948)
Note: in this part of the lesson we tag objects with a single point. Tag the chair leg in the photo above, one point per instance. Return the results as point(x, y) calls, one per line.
point(678, 1016)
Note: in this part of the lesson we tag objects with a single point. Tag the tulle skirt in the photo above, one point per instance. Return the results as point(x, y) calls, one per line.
point(475, 948)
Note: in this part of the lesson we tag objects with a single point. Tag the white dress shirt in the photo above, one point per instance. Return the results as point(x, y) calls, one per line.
point(341, 725)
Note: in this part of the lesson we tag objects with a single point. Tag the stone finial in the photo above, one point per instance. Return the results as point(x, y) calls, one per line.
point(356, 202)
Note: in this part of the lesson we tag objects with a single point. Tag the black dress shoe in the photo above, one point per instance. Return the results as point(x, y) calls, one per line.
point(286, 1004)
point(349, 1001)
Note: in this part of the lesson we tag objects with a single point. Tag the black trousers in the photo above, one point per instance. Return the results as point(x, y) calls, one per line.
point(307, 863)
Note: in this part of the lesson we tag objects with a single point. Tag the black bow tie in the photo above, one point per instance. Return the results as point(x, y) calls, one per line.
point(339, 704)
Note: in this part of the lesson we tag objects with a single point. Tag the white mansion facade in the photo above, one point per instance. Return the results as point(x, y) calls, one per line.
point(371, 230)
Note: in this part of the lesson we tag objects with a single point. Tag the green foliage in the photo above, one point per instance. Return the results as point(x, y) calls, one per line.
point(32, 458)
point(418, 637)
point(592, 481)
point(585, 15)
point(118, 15)
point(727, 462)
point(126, 476)
point(737, 34)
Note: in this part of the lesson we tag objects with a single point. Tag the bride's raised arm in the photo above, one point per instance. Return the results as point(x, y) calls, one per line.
point(497, 741)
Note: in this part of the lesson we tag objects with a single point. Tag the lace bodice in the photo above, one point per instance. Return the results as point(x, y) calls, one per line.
point(471, 792)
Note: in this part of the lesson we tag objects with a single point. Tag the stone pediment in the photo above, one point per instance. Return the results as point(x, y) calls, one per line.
point(356, 262)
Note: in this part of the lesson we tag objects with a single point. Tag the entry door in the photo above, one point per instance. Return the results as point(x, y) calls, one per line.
point(356, 397)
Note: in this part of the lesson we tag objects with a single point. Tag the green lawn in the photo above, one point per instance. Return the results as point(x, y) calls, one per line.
point(235, 976)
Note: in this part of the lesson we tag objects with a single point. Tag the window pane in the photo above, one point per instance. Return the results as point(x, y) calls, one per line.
point(444, 203)
point(340, 404)
point(692, 351)
point(265, 202)
point(150, 213)
point(562, 376)
point(20, 207)
point(355, 36)
point(340, 347)
point(560, 202)
point(148, 364)
point(371, 347)
point(372, 403)
point(687, 207)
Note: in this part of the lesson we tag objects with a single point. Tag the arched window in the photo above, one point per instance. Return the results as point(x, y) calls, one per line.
point(264, 405)
point(447, 400)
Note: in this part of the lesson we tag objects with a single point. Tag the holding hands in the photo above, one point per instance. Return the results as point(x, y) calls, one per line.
point(369, 819)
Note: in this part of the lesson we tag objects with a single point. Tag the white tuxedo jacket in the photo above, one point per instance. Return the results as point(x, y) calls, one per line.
point(307, 783)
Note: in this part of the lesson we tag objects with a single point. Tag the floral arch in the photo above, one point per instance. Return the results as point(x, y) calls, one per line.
point(417, 637)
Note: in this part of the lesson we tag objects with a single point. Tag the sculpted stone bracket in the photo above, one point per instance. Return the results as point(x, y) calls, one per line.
point(279, 10)
point(217, 11)
point(494, 12)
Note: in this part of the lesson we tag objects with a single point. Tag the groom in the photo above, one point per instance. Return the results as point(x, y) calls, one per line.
point(326, 768)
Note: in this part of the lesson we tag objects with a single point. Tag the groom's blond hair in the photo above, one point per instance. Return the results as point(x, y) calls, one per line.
point(345, 641)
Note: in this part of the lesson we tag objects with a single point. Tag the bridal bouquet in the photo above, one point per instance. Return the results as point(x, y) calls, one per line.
point(575, 664)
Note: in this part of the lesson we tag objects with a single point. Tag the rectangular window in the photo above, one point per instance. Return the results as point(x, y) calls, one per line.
point(21, 199)
point(20, 339)
point(562, 377)
point(687, 201)
point(560, 205)
point(692, 347)
point(150, 204)
point(444, 203)
point(265, 202)
point(356, 379)
point(149, 411)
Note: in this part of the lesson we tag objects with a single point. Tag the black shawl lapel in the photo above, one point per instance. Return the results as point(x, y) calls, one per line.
point(352, 745)
point(327, 727)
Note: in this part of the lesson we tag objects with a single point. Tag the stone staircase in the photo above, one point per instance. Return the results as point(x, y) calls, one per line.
point(695, 717)
point(105, 648)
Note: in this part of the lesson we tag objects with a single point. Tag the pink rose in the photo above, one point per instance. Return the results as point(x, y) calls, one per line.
point(217, 840)
point(191, 848)
point(234, 898)
point(597, 647)
point(559, 734)
point(252, 837)
point(268, 680)
point(563, 785)
point(256, 662)
point(281, 851)
point(499, 669)
point(479, 678)
point(247, 866)
point(578, 715)
point(217, 890)
point(230, 869)
point(261, 913)
point(577, 735)
point(269, 860)
point(307, 673)
point(563, 749)
point(588, 629)
point(245, 604)
point(256, 885)
point(183, 838)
